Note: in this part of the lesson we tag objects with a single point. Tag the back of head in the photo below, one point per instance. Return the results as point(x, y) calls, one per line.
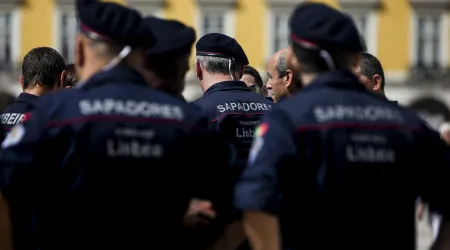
point(219, 54)
point(70, 79)
point(323, 38)
point(370, 66)
point(219, 66)
point(110, 34)
point(168, 57)
point(249, 70)
point(42, 66)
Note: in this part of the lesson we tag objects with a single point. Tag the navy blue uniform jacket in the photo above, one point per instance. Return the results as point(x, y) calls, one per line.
point(342, 168)
point(15, 113)
point(109, 165)
point(235, 111)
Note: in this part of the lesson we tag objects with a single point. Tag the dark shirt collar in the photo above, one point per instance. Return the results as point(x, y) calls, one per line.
point(337, 79)
point(227, 86)
point(116, 74)
point(393, 102)
point(25, 97)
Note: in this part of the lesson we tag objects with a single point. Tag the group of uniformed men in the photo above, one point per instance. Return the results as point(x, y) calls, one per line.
point(121, 161)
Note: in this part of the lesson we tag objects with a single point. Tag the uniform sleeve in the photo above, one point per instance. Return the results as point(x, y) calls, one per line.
point(433, 173)
point(21, 156)
point(272, 148)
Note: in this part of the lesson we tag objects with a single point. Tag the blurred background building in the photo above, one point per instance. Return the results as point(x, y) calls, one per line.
point(410, 37)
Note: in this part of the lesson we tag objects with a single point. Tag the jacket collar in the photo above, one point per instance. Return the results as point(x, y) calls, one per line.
point(116, 74)
point(227, 86)
point(337, 79)
point(25, 97)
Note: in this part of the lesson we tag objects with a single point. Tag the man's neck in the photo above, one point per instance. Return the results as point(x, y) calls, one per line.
point(92, 68)
point(210, 80)
point(381, 93)
point(308, 78)
point(34, 91)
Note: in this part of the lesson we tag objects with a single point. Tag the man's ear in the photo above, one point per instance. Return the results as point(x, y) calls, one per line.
point(21, 82)
point(289, 77)
point(61, 84)
point(377, 82)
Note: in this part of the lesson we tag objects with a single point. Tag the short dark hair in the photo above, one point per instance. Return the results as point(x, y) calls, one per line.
point(370, 66)
point(249, 70)
point(42, 65)
point(312, 62)
point(70, 79)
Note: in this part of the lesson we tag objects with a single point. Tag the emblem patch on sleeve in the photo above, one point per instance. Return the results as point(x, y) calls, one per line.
point(261, 130)
point(14, 136)
point(258, 142)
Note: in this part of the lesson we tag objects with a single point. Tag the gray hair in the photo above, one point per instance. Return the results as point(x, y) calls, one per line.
point(218, 65)
point(282, 65)
point(282, 68)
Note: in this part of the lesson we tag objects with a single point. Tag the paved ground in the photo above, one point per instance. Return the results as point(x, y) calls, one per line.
point(424, 234)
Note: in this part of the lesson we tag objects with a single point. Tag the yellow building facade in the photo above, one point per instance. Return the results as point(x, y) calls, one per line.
point(410, 37)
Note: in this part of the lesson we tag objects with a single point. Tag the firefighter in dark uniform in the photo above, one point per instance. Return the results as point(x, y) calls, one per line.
point(109, 164)
point(165, 68)
point(232, 108)
point(324, 160)
point(169, 57)
point(43, 71)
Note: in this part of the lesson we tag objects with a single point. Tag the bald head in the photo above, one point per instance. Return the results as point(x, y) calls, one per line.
point(283, 80)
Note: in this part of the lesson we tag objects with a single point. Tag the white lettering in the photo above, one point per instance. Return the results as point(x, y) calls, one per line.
point(11, 118)
point(242, 106)
point(245, 133)
point(369, 154)
point(131, 132)
point(359, 113)
point(250, 123)
point(5, 118)
point(133, 149)
point(130, 108)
